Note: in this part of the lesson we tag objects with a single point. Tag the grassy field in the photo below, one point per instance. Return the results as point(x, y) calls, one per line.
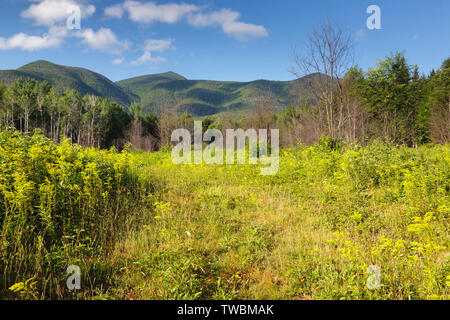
point(165, 231)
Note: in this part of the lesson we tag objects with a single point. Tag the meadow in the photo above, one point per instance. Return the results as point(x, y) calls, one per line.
point(141, 227)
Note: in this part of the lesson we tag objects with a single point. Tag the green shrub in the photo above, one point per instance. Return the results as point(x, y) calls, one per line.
point(59, 205)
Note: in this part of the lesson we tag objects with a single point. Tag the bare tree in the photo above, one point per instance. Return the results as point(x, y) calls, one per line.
point(92, 114)
point(355, 115)
point(167, 110)
point(262, 114)
point(327, 57)
point(440, 123)
point(138, 139)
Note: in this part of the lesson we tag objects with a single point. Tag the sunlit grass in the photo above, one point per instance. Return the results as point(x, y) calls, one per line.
point(311, 232)
point(226, 232)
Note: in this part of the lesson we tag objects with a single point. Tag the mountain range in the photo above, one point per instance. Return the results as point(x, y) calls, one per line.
point(164, 90)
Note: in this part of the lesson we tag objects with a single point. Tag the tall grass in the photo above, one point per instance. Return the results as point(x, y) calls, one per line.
point(141, 227)
point(310, 232)
point(61, 205)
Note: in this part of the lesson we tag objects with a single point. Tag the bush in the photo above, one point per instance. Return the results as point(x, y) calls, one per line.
point(59, 204)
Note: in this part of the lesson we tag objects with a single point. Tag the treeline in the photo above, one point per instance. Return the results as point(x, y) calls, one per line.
point(402, 105)
point(90, 121)
point(390, 102)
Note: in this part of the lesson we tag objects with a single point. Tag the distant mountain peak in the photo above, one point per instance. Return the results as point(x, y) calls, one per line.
point(171, 73)
point(39, 64)
point(65, 78)
point(198, 97)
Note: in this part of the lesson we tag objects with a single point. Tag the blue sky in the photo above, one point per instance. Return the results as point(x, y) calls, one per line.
point(219, 40)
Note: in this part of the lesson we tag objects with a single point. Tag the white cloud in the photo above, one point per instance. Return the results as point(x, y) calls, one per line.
point(244, 31)
point(53, 13)
point(148, 58)
point(49, 12)
point(51, 39)
point(154, 45)
point(219, 17)
point(361, 33)
point(229, 21)
point(158, 45)
point(415, 37)
point(118, 61)
point(150, 12)
point(114, 11)
point(102, 40)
